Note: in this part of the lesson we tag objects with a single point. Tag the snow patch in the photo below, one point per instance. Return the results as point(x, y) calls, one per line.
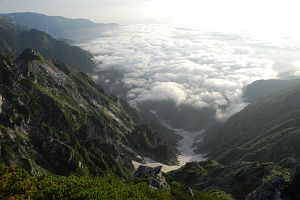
point(185, 147)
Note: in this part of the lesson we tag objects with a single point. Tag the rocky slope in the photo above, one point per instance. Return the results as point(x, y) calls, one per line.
point(250, 180)
point(53, 118)
point(14, 39)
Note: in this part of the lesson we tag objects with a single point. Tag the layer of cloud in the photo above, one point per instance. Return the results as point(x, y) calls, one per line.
point(184, 66)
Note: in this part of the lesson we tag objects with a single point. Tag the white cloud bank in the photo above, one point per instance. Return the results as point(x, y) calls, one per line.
point(184, 66)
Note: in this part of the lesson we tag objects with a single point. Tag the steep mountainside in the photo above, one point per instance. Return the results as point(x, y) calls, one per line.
point(14, 39)
point(57, 119)
point(56, 26)
point(268, 130)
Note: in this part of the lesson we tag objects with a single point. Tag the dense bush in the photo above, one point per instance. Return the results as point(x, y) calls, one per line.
point(16, 183)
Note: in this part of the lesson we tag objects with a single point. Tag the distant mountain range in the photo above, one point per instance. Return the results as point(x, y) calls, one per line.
point(56, 26)
point(14, 39)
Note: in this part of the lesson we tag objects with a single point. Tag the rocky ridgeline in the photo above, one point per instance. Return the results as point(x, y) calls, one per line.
point(56, 119)
point(243, 180)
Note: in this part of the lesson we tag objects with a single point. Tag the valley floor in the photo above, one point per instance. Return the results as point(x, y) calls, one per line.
point(185, 147)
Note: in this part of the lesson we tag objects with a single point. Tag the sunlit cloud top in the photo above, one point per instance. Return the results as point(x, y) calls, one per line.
point(279, 16)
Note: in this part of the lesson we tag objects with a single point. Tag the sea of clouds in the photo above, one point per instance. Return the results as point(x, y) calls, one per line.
point(188, 67)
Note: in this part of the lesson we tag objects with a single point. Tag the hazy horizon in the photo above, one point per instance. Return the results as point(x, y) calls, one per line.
point(264, 17)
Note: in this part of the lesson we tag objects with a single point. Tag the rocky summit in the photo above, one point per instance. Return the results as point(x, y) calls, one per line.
point(55, 119)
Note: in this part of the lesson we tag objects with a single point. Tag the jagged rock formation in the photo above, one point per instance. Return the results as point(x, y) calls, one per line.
point(56, 119)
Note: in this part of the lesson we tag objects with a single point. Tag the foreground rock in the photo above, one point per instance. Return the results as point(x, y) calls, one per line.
point(153, 176)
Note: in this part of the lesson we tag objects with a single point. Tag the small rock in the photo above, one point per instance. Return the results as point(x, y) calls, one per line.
point(190, 191)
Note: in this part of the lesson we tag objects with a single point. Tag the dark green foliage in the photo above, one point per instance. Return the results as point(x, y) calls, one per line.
point(179, 191)
point(15, 183)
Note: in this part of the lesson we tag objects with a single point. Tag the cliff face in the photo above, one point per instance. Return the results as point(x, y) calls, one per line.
point(54, 118)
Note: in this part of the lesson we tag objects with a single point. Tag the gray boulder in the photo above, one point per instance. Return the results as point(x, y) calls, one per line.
point(153, 176)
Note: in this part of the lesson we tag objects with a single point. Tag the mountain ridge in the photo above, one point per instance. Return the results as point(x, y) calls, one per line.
point(55, 118)
point(14, 40)
point(56, 26)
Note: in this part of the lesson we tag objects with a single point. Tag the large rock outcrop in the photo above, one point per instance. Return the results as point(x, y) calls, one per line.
point(153, 176)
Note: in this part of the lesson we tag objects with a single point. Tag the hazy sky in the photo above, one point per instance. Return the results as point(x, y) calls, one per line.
point(260, 15)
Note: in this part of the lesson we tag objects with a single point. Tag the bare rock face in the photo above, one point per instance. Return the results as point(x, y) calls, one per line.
point(153, 176)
